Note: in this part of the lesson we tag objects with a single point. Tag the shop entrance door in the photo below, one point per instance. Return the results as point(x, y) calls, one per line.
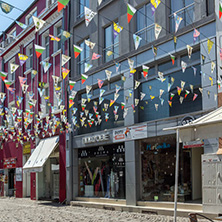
point(33, 186)
point(11, 182)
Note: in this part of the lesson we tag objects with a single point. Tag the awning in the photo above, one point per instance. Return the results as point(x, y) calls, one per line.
point(205, 127)
point(41, 153)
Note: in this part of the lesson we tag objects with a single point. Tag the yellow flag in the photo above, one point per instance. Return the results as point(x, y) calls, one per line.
point(211, 81)
point(209, 45)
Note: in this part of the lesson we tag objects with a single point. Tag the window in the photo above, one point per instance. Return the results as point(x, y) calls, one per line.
point(184, 9)
point(83, 57)
point(29, 19)
point(58, 33)
point(46, 45)
point(11, 36)
point(145, 24)
point(111, 44)
point(49, 3)
point(11, 76)
point(82, 4)
point(29, 53)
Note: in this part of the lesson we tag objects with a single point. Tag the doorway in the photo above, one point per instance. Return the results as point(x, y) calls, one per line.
point(11, 182)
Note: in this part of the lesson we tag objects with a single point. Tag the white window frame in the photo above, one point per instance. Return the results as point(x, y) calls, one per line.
point(44, 35)
point(55, 45)
point(28, 62)
point(30, 15)
point(11, 76)
point(10, 37)
point(49, 5)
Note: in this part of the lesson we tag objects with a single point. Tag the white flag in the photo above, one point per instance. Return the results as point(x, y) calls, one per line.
point(13, 67)
point(158, 29)
point(89, 15)
point(65, 59)
point(38, 23)
point(108, 74)
point(131, 63)
point(184, 66)
point(137, 40)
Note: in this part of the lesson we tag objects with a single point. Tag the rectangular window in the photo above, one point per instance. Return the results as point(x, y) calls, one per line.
point(145, 24)
point(29, 53)
point(82, 4)
point(11, 36)
point(46, 46)
point(59, 33)
point(83, 57)
point(111, 45)
point(184, 9)
point(11, 76)
point(29, 19)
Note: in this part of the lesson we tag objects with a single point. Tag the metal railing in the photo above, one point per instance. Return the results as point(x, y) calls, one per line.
point(186, 13)
point(147, 34)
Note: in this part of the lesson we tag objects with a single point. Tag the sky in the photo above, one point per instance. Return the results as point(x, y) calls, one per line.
point(14, 14)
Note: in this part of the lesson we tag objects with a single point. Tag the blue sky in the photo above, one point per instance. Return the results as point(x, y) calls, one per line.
point(14, 14)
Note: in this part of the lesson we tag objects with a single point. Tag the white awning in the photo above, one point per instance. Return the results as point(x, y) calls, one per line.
point(41, 153)
point(205, 127)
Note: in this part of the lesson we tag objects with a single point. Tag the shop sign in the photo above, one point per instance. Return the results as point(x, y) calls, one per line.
point(9, 163)
point(18, 174)
point(158, 146)
point(27, 148)
point(193, 144)
point(130, 133)
point(187, 119)
point(96, 138)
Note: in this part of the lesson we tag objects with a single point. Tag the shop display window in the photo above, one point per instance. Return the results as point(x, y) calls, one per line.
point(158, 170)
point(102, 172)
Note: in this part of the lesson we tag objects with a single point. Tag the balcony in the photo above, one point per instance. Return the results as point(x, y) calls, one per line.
point(186, 13)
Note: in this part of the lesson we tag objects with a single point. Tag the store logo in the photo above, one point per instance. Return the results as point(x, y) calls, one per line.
point(95, 139)
point(158, 146)
point(187, 119)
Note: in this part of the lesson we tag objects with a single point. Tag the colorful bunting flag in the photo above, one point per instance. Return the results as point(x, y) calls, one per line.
point(54, 38)
point(179, 90)
point(108, 74)
point(65, 72)
point(189, 51)
point(77, 50)
point(170, 103)
point(184, 66)
point(22, 58)
point(62, 4)
point(33, 72)
point(212, 66)
point(7, 83)
point(186, 94)
point(3, 75)
point(137, 83)
point(196, 33)
point(137, 39)
point(102, 91)
point(173, 59)
point(39, 23)
point(154, 5)
point(39, 50)
point(181, 99)
point(89, 15)
point(130, 12)
point(195, 96)
point(84, 78)
point(65, 36)
point(211, 81)
point(46, 66)
point(87, 67)
point(116, 29)
point(24, 88)
point(13, 67)
point(154, 49)
point(220, 10)
point(95, 56)
point(23, 26)
point(171, 96)
point(158, 29)
point(178, 20)
point(71, 84)
point(100, 100)
point(91, 45)
point(122, 105)
point(209, 45)
point(22, 80)
point(145, 71)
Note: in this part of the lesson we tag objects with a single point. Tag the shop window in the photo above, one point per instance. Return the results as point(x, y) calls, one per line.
point(184, 9)
point(158, 157)
point(147, 109)
point(83, 57)
point(110, 44)
point(145, 24)
point(102, 171)
point(82, 4)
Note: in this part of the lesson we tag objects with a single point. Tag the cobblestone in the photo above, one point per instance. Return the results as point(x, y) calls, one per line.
point(26, 210)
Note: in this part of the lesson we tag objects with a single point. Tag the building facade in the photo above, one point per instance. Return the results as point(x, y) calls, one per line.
point(32, 104)
point(118, 148)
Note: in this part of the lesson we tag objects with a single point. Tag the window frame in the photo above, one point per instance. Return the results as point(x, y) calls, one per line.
point(32, 13)
point(29, 62)
point(80, 5)
point(57, 45)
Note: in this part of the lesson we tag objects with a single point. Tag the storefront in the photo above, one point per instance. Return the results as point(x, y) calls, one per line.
point(101, 171)
point(158, 157)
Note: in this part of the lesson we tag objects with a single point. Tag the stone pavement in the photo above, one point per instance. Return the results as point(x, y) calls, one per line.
point(26, 210)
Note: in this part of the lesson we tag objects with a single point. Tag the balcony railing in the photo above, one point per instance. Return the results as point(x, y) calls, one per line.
point(186, 13)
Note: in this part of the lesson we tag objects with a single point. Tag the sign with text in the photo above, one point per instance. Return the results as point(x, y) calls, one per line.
point(9, 163)
point(27, 148)
point(130, 133)
point(193, 144)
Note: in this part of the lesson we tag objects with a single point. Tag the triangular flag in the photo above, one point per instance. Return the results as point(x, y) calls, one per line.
point(173, 59)
point(46, 66)
point(111, 102)
point(108, 74)
point(95, 56)
point(175, 41)
point(212, 66)
point(137, 40)
point(71, 84)
point(13, 67)
point(184, 66)
point(178, 20)
point(65, 72)
point(22, 80)
point(181, 99)
point(154, 49)
point(62, 4)
point(65, 36)
point(3, 75)
point(38, 23)
point(23, 26)
point(137, 83)
point(116, 29)
point(145, 71)
point(34, 72)
point(7, 83)
point(87, 67)
point(191, 88)
point(91, 45)
point(154, 5)
point(189, 51)
point(65, 59)
point(122, 105)
point(220, 10)
point(100, 83)
point(179, 90)
point(170, 103)
point(131, 63)
point(171, 96)
point(182, 84)
point(194, 70)
point(102, 91)
point(84, 78)
point(195, 35)
point(100, 100)
point(22, 58)
point(209, 45)
point(156, 107)
point(211, 81)
point(186, 94)
point(39, 50)
point(195, 96)
point(116, 96)
point(24, 88)
point(130, 12)
point(142, 95)
point(77, 50)
point(54, 38)
point(89, 15)
point(88, 89)
point(41, 92)
point(158, 29)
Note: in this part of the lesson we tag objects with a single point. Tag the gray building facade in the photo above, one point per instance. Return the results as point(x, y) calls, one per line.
point(123, 153)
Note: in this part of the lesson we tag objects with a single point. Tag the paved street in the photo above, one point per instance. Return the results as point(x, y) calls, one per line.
point(25, 210)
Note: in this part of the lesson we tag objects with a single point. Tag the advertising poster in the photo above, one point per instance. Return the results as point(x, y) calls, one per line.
point(130, 133)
